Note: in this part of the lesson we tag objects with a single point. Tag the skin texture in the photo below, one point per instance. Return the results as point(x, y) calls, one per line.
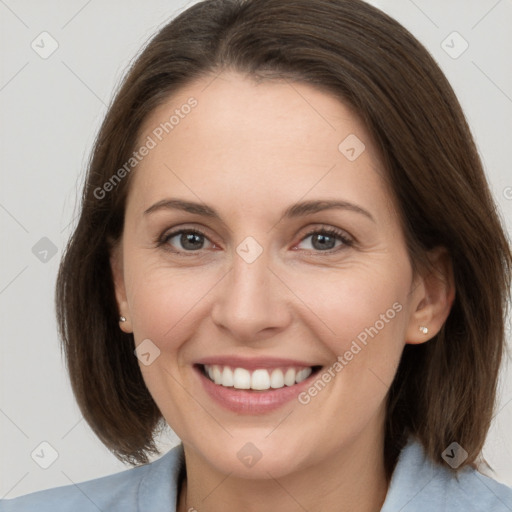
point(250, 150)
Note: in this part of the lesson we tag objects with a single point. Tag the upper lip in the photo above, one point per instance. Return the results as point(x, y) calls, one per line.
point(254, 363)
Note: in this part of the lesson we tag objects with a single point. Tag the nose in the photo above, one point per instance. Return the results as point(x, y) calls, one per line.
point(252, 303)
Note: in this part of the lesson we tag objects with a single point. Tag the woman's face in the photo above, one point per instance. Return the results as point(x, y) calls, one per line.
point(273, 285)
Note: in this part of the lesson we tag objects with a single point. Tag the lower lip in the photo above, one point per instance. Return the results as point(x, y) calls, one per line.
point(245, 401)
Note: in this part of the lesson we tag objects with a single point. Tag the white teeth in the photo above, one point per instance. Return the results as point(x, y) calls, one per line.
point(277, 379)
point(289, 377)
point(303, 375)
point(241, 379)
point(261, 379)
point(217, 375)
point(227, 377)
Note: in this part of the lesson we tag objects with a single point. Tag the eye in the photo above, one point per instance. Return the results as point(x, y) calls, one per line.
point(188, 240)
point(325, 239)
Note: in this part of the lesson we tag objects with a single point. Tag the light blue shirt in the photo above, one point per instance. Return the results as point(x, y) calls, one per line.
point(417, 485)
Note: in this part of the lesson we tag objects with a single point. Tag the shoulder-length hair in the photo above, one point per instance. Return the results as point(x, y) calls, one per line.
point(445, 389)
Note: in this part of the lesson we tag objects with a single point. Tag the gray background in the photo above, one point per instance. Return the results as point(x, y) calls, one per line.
point(51, 109)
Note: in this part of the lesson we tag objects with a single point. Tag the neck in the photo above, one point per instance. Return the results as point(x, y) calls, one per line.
point(351, 479)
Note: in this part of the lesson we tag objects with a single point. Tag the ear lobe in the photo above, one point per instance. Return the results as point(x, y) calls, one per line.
point(433, 298)
point(117, 270)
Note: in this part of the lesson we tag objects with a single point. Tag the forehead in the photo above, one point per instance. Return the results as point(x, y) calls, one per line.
point(277, 140)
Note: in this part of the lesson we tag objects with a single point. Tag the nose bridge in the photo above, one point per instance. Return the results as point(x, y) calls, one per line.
point(251, 298)
point(250, 277)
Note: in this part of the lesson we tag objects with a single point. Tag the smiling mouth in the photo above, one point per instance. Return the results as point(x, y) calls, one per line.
point(260, 379)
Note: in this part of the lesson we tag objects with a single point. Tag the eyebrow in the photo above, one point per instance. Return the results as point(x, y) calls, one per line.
point(294, 211)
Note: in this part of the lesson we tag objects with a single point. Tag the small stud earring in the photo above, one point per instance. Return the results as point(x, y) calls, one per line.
point(424, 329)
point(122, 319)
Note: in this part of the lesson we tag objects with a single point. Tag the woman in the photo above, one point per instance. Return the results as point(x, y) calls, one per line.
point(288, 252)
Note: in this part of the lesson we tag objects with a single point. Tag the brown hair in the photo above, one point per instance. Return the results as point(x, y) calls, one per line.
point(445, 389)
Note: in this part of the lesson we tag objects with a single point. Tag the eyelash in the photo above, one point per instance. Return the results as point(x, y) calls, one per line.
point(163, 240)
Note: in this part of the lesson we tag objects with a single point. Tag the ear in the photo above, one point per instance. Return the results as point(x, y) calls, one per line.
point(117, 267)
point(433, 295)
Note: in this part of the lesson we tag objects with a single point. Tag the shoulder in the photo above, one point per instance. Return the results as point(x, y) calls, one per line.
point(149, 487)
point(420, 485)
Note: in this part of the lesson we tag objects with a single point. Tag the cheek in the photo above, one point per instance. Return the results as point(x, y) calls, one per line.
point(357, 303)
point(360, 316)
point(164, 300)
